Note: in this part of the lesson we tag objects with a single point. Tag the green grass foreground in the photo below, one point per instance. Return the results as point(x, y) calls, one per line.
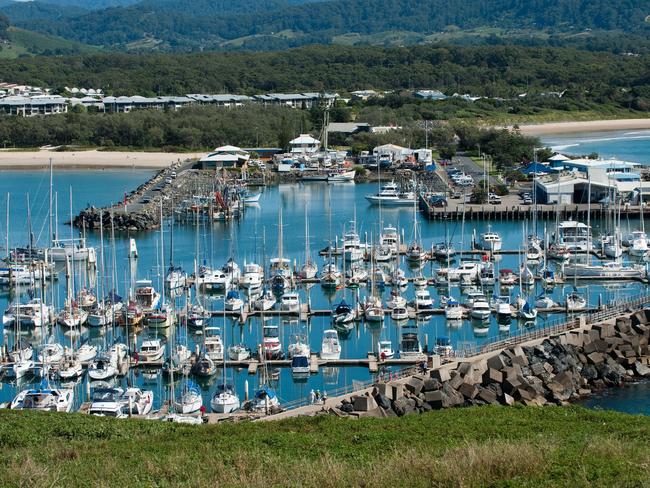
point(516, 446)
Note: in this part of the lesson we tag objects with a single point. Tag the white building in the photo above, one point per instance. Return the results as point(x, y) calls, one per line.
point(393, 152)
point(31, 106)
point(304, 144)
point(225, 157)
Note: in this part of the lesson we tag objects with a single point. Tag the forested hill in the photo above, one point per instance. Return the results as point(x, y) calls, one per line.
point(493, 71)
point(267, 24)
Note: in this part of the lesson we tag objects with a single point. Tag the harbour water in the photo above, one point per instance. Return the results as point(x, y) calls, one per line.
point(330, 208)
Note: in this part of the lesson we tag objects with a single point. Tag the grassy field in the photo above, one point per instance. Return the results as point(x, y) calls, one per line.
point(23, 42)
point(494, 446)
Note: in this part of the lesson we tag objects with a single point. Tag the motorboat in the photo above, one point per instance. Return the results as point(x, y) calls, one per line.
point(489, 241)
point(480, 309)
point(107, 402)
point(290, 302)
point(233, 301)
point(608, 270)
point(410, 347)
point(343, 313)
point(398, 278)
point(396, 300)
point(486, 275)
point(353, 250)
point(574, 236)
point(146, 296)
point(197, 316)
point(213, 279)
point(71, 249)
point(385, 349)
point(253, 276)
point(224, 400)
point(415, 253)
point(213, 343)
point(271, 342)
point(44, 399)
point(390, 196)
point(544, 301)
point(504, 310)
point(330, 345)
point(204, 366)
point(638, 244)
point(190, 400)
point(399, 314)
point(341, 176)
point(453, 310)
point(466, 271)
point(137, 402)
point(300, 365)
point(443, 347)
point(239, 352)
point(575, 301)
point(423, 300)
point(151, 350)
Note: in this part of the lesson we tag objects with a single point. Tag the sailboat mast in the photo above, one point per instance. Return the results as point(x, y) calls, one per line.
point(162, 253)
point(7, 236)
point(51, 230)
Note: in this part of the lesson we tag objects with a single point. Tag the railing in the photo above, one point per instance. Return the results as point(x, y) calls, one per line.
point(613, 309)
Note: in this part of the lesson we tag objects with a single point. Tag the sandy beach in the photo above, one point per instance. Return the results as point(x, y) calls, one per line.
point(90, 159)
point(585, 126)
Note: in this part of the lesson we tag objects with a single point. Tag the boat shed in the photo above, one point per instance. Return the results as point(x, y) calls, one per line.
point(225, 157)
point(304, 144)
point(392, 152)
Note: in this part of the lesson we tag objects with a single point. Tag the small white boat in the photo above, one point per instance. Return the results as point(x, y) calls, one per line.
point(253, 276)
point(489, 241)
point(233, 301)
point(190, 401)
point(137, 402)
point(575, 301)
point(504, 310)
point(239, 352)
point(213, 343)
point(399, 314)
point(343, 313)
point(480, 309)
point(224, 400)
point(44, 399)
point(290, 302)
point(385, 349)
point(330, 345)
point(453, 309)
point(390, 196)
point(410, 347)
point(271, 341)
point(265, 400)
point(528, 312)
point(340, 176)
point(102, 368)
point(86, 352)
point(51, 354)
point(396, 300)
point(151, 350)
point(544, 301)
point(423, 300)
point(266, 301)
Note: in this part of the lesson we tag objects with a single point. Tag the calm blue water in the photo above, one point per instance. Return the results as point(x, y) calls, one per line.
point(253, 238)
point(632, 398)
point(626, 145)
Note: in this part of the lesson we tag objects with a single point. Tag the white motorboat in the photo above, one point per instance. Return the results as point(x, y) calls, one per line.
point(507, 277)
point(504, 310)
point(44, 399)
point(489, 241)
point(290, 302)
point(480, 309)
point(638, 244)
point(107, 402)
point(609, 270)
point(486, 275)
point(271, 341)
point(353, 250)
point(239, 352)
point(137, 402)
point(213, 279)
point(398, 278)
point(146, 296)
point(341, 176)
point(453, 309)
point(528, 311)
point(71, 249)
point(31, 314)
point(151, 350)
point(224, 399)
point(574, 236)
point(575, 302)
point(466, 271)
point(544, 301)
point(385, 349)
point(390, 196)
point(396, 300)
point(330, 345)
point(343, 314)
point(423, 300)
point(253, 276)
point(443, 347)
point(197, 316)
point(410, 347)
point(399, 314)
point(213, 343)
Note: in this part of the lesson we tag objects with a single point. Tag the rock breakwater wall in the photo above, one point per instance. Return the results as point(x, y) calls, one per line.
point(555, 371)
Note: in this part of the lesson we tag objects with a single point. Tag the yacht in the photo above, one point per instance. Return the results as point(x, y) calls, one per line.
point(443, 347)
point(480, 309)
point(253, 276)
point(213, 279)
point(338, 176)
point(609, 270)
point(353, 251)
point(486, 275)
point(390, 196)
point(137, 402)
point(271, 342)
point(213, 343)
point(71, 249)
point(453, 310)
point(385, 349)
point(399, 314)
point(146, 296)
point(444, 250)
point(191, 399)
point(330, 346)
point(423, 300)
point(290, 302)
point(373, 310)
point(343, 314)
point(466, 271)
point(31, 314)
point(410, 347)
point(265, 302)
point(151, 350)
point(504, 311)
point(239, 352)
point(574, 236)
point(46, 399)
point(107, 402)
point(489, 241)
point(398, 278)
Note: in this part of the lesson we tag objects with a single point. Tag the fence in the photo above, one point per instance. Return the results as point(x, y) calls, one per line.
point(611, 310)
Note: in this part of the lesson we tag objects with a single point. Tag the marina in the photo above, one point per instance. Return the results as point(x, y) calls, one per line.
point(230, 301)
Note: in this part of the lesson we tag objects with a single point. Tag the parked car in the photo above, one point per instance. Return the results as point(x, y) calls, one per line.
point(494, 199)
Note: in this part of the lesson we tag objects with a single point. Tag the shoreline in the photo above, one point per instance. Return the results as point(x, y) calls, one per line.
point(93, 159)
point(606, 125)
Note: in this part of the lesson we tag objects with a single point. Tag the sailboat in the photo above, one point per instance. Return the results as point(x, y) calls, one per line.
point(162, 316)
point(308, 270)
point(224, 400)
point(281, 274)
point(414, 252)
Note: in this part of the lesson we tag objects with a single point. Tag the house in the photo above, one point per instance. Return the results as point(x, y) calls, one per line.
point(429, 95)
point(127, 104)
point(364, 94)
point(298, 100)
point(31, 106)
point(393, 152)
point(223, 100)
point(304, 144)
point(225, 157)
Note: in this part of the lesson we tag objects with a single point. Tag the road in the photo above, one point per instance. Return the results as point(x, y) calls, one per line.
point(468, 166)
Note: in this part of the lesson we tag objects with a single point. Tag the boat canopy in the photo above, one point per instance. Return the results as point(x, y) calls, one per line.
point(506, 271)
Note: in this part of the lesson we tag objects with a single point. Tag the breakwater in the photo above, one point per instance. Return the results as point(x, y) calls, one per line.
point(555, 370)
